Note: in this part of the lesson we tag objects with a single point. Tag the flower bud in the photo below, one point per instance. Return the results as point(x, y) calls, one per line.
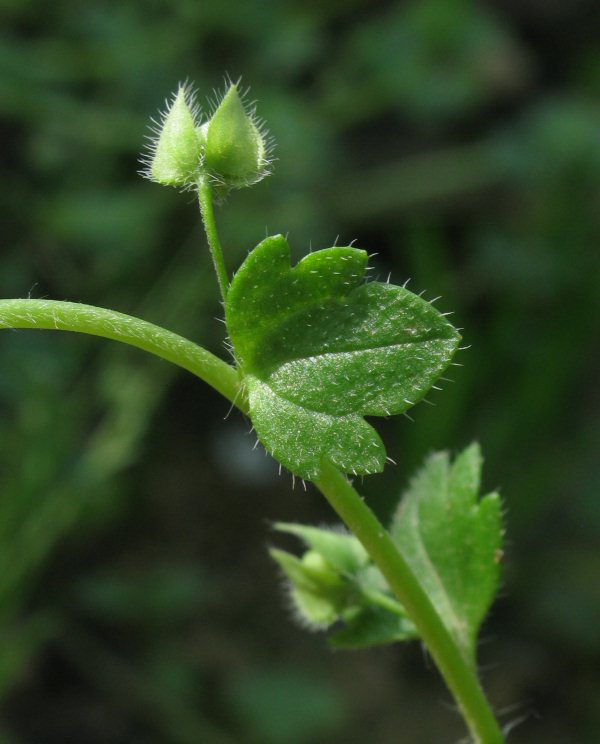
point(236, 150)
point(175, 155)
point(317, 591)
point(335, 582)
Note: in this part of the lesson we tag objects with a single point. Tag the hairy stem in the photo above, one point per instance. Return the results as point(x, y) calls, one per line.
point(210, 226)
point(459, 676)
point(71, 316)
point(345, 500)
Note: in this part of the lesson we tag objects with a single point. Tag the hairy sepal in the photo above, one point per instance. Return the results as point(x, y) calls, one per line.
point(334, 584)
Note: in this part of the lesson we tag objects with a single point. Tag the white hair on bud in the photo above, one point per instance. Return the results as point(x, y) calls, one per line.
point(156, 125)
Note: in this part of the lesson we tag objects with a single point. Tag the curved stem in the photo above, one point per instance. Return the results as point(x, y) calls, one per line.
point(210, 226)
point(345, 500)
point(71, 316)
point(460, 678)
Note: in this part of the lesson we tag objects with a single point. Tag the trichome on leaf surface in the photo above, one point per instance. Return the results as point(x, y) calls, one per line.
point(317, 348)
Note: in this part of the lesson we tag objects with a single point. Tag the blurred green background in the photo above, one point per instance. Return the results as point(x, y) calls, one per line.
point(461, 143)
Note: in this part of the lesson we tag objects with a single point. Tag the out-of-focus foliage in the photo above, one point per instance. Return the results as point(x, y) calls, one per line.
point(457, 140)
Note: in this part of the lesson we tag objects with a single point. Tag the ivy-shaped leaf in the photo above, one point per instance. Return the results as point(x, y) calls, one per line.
point(319, 349)
point(452, 541)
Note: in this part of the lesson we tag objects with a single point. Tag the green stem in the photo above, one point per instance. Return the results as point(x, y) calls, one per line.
point(210, 227)
point(68, 316)
point(71, 316)
point(459, 676)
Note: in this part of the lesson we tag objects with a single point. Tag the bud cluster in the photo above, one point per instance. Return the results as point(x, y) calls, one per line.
point(335, 583)
point(232, 148)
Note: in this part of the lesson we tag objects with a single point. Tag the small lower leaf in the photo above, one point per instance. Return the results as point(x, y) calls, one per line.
point(452, 541)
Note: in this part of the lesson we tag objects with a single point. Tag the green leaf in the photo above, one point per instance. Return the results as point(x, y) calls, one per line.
point(298, 437)
point(320, 349)
point(452, 541)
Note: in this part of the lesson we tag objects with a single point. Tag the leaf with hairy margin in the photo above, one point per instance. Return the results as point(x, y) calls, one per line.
point(452, 541)
point(319, 349)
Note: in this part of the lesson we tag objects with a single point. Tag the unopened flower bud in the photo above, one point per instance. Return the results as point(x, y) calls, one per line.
point(236, 149)
point(175, 155)
point(230, 150)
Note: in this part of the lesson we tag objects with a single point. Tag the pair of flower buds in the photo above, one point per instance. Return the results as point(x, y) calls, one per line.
point(231, 149)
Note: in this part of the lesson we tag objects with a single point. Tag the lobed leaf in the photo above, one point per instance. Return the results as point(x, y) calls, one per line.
point(320, 349)
point(452, 541)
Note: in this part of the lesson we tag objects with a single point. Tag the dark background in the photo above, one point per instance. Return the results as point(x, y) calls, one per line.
point(460, 142)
